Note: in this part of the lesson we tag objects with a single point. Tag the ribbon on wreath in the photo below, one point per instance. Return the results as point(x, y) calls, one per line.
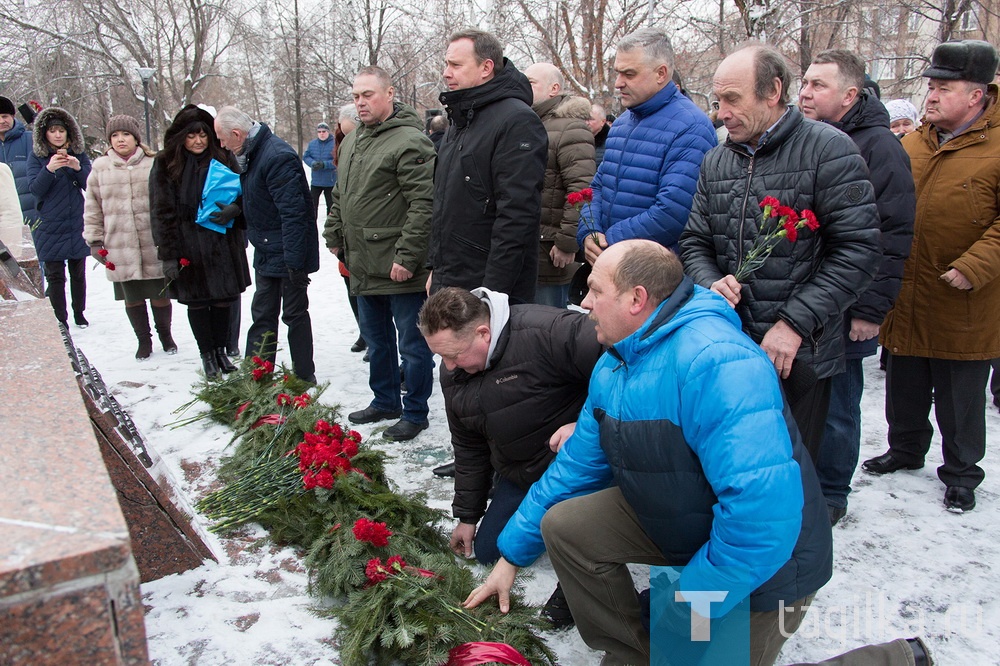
point(480, 652)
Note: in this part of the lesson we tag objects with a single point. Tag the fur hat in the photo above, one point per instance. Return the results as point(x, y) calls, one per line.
point(901, 108)
point(52, 116)
point(7, 106)
point(124, 124)
point(967, 60)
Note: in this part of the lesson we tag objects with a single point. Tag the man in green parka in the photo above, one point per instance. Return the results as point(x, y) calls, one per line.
point(381, 216)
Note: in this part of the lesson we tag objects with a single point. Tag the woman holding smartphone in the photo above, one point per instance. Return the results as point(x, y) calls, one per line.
point(57, 172)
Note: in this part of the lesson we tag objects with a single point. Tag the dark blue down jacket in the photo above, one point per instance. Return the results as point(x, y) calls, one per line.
point(686, 417)
point(58, 236)
point(281, 220)
point(14, 150)
point(646, 181)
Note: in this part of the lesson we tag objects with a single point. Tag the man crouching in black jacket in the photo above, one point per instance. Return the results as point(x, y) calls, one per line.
point(513, 376)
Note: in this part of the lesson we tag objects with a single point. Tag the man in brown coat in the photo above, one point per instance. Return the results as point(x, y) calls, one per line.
point(570, 168)
point(945, 325)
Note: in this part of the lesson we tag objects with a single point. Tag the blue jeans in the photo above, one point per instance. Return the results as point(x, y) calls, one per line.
point(507, 497)
point(556, 295)
point(383, 318)
point(838, 452)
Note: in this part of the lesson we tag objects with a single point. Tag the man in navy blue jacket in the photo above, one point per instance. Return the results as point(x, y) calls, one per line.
point(281, 225)
point(647, 178)
point(833, 91)
point(15, 146)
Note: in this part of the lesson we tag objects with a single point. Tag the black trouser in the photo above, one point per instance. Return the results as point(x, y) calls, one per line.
point(327, 194)
point(235, 319)
point(809, 408)
point(958, 389)
point(55, 286)
point(276, 295)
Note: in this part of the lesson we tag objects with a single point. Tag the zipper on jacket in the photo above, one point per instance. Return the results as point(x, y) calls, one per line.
point(486, 205)
point(743, 212)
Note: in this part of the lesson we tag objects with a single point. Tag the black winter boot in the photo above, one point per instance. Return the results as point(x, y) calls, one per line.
point(210, 365)
point(221, 325)
point(162, 317)
point(139, 319)
point(556, 610)
point(201, 325)
point(225, 365)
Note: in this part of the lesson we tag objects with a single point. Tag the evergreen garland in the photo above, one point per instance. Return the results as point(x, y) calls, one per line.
point(314, 485)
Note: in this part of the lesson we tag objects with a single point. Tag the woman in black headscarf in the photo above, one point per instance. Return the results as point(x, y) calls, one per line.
point(206, 264)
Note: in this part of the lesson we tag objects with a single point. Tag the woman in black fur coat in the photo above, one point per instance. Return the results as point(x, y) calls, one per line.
point(208, 269)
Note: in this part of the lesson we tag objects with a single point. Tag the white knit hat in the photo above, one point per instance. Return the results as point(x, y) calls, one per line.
point(901, 108)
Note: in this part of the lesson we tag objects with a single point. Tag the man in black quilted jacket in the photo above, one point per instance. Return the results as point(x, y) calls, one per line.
point(792, 304)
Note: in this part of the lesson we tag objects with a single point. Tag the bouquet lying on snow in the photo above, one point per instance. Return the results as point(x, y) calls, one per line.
point(375, 556)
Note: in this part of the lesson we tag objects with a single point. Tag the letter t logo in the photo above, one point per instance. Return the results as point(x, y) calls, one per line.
point(701, 604)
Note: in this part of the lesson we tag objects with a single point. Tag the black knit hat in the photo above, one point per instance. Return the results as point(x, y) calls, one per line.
point(967, 60)
point(7, 106)
point(124, 124)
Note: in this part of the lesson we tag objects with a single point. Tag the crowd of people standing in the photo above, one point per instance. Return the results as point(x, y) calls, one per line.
point(777, 259)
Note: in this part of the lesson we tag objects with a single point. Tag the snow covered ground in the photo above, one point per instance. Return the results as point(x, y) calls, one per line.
point(903, 565)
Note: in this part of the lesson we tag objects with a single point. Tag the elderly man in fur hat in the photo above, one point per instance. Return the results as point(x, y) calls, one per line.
point(944, 328)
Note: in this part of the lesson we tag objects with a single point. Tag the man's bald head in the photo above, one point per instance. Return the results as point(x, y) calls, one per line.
point(546, 81)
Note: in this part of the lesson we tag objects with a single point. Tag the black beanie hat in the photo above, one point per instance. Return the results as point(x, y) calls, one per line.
point(7, 106)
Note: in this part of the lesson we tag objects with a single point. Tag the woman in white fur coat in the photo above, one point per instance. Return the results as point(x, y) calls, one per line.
point(117, 229)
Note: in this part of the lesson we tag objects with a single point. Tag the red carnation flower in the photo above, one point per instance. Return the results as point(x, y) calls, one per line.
point(103, 252)
point(790, 231)
point(284, 399)
point(375, 571)
point(574, 199)
point(587, 194)
point(324, 478)
point(810, 217)
point(374, 533)
point(184, 262)
point(302, 401)
point(110, 265)
point(395, 563)
point(769, 201)
point(350, 448)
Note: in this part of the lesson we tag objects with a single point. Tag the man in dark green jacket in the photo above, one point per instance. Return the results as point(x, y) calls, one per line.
point(381, 216)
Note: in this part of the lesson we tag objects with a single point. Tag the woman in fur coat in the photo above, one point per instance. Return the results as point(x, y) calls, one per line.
point(207, 268)
point(116, 227)
point(58, 168)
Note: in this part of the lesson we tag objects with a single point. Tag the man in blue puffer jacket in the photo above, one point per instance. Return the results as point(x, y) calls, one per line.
point(319, 157)
point(684, 454)
point(15, 146)
point(646, 181)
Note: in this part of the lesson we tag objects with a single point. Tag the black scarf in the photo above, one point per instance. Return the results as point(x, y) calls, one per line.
point(193, 182)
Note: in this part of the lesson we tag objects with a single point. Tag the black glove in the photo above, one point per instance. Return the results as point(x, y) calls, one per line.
point(317, 165)
point(225, 213)
point(299, 279)
point(171, 269)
